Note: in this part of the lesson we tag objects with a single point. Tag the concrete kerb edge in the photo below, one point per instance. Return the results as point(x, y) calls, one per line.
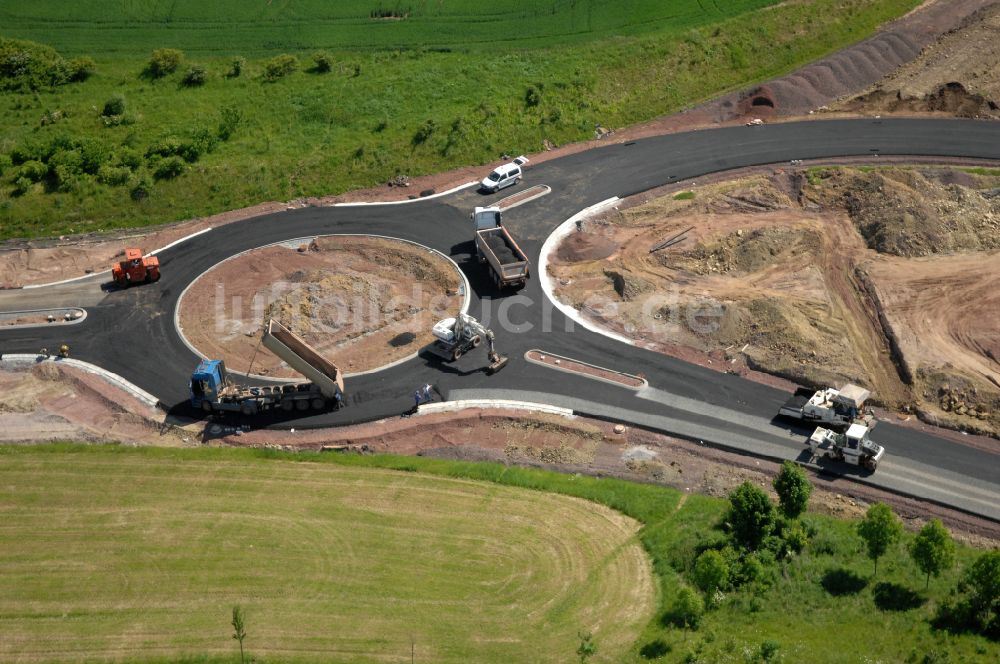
point(543, 273)
point(97, 274)
point(466, 300)
point(499, 404)
point(409, 200)
point(645, 383)
point(55, 323)
point(26, 360)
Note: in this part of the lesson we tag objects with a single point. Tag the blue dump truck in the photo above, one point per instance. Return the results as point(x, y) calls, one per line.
point(212, 390)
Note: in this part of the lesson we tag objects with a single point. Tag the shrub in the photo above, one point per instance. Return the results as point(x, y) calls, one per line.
point(169, 168)
point(80, 69)
point(981, 585)
point(795, 538)
point(751, 515)
point(164, 61)
point(424, 132)
point(230, 117)
point(115, 105)
point(195, 76)
point(279, 66)
point(793, 490)
point(129, 158)
point(33, 171)
point(114, 176)
point(322, 62)
point(687, 609)
point(532, 96)
point(711, 572)
point(165, 147)
point(236, 67)
point(139, 186)
point(22, 185)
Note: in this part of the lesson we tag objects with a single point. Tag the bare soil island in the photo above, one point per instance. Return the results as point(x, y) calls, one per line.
point(886, 277)
point(362, 301)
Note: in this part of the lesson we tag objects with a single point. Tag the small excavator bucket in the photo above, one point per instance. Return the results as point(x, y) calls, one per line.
point(496, 364)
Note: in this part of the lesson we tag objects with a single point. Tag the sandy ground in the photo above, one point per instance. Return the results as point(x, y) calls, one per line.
point(362, 302)
point(819, 278)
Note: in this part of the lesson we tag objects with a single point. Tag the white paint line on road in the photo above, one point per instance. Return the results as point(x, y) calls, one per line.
point(22, 360)
point(548, 288)
point(409, 200)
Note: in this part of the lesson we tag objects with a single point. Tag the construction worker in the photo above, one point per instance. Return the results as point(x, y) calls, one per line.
point(64, 351)
point(428, 396)
point(416, 399)
point(44, 352)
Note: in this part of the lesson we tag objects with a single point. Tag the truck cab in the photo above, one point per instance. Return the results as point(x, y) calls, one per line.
point(207, 381)
point(486, 217)
point(853, 446)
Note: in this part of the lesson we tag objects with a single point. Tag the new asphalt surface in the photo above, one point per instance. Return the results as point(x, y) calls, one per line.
point(132, 333)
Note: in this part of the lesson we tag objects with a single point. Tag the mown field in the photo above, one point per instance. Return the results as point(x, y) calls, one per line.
point(437, 86)
point(139, 554)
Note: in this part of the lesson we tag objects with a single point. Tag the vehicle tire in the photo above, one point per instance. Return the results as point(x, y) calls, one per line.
point(455, 354)
point(287, 405)
point(318, 404)
point(157, 277)
point(302, 404)
point(148, 279)
point(476, 340)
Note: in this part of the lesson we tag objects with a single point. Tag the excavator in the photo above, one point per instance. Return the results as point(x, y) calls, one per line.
point(455, 336)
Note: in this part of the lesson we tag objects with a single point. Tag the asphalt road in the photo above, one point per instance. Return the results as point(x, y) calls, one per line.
point(132, 332)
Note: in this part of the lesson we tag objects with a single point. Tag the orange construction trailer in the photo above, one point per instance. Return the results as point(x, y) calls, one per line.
point(136, 269)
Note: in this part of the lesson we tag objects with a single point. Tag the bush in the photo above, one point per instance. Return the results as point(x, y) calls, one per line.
point(424, 132)
point(129, 158)
point(195, 76)
point(80, 69)
point(236, 67)
point(711, 572)
point(279, 66)
point(687, 609)
point(751, 515)
point(164, 61)
point(33, 171)
point(115, 105)
point(139, 186)
point(169, 168)
point(532, 96)
point(114, 176)
point(795, 539)
point(793, 490)
point(22, 185)
point(230, 118)
point(322, 62)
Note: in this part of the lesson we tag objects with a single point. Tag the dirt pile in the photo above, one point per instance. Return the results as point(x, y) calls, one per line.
point(586, 247)
point(361, 301)
point(889, 278)
point(951, 98)
point(903, 212)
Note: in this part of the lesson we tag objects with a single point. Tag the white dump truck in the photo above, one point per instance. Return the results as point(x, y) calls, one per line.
point(837, 408)
point(853, 446)
point(495, 246)
point(213, 390)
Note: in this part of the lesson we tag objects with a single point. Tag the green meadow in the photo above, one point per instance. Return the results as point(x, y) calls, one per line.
point(428, 87)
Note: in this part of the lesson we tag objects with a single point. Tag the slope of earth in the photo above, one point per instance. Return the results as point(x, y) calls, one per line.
point(958, 74)
point(361, 301)
point(324, 558)
point(783, 274)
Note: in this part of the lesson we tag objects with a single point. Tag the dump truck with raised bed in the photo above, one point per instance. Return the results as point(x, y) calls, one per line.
point(495, 246)
point(837, 408)
point(212, 389)
point(853, 446)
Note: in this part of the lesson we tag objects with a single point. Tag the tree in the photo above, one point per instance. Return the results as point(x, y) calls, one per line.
point(981, 583)
point(879, 529)
point(239, 629)
point(164, 61)
point(933, 550)
point(751, 515)
point(793, 490)
point(587, 648)
point(688, 608)
point(711, 571)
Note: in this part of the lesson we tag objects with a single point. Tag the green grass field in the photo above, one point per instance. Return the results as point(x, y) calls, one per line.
point(139, 554)
point(142, 556)
point(472, 89)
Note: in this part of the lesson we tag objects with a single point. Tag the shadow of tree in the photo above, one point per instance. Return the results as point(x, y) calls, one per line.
point(655, 649)
point(840, 582)
point(894, 597)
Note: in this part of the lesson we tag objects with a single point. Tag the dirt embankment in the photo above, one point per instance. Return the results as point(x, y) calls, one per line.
point(883, 277)
point(361, 301)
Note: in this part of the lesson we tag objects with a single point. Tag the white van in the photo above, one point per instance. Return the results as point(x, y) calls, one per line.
point(503, 176)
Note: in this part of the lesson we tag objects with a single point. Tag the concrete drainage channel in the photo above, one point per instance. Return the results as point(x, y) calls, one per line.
point(569, 365)
point(42, 317)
